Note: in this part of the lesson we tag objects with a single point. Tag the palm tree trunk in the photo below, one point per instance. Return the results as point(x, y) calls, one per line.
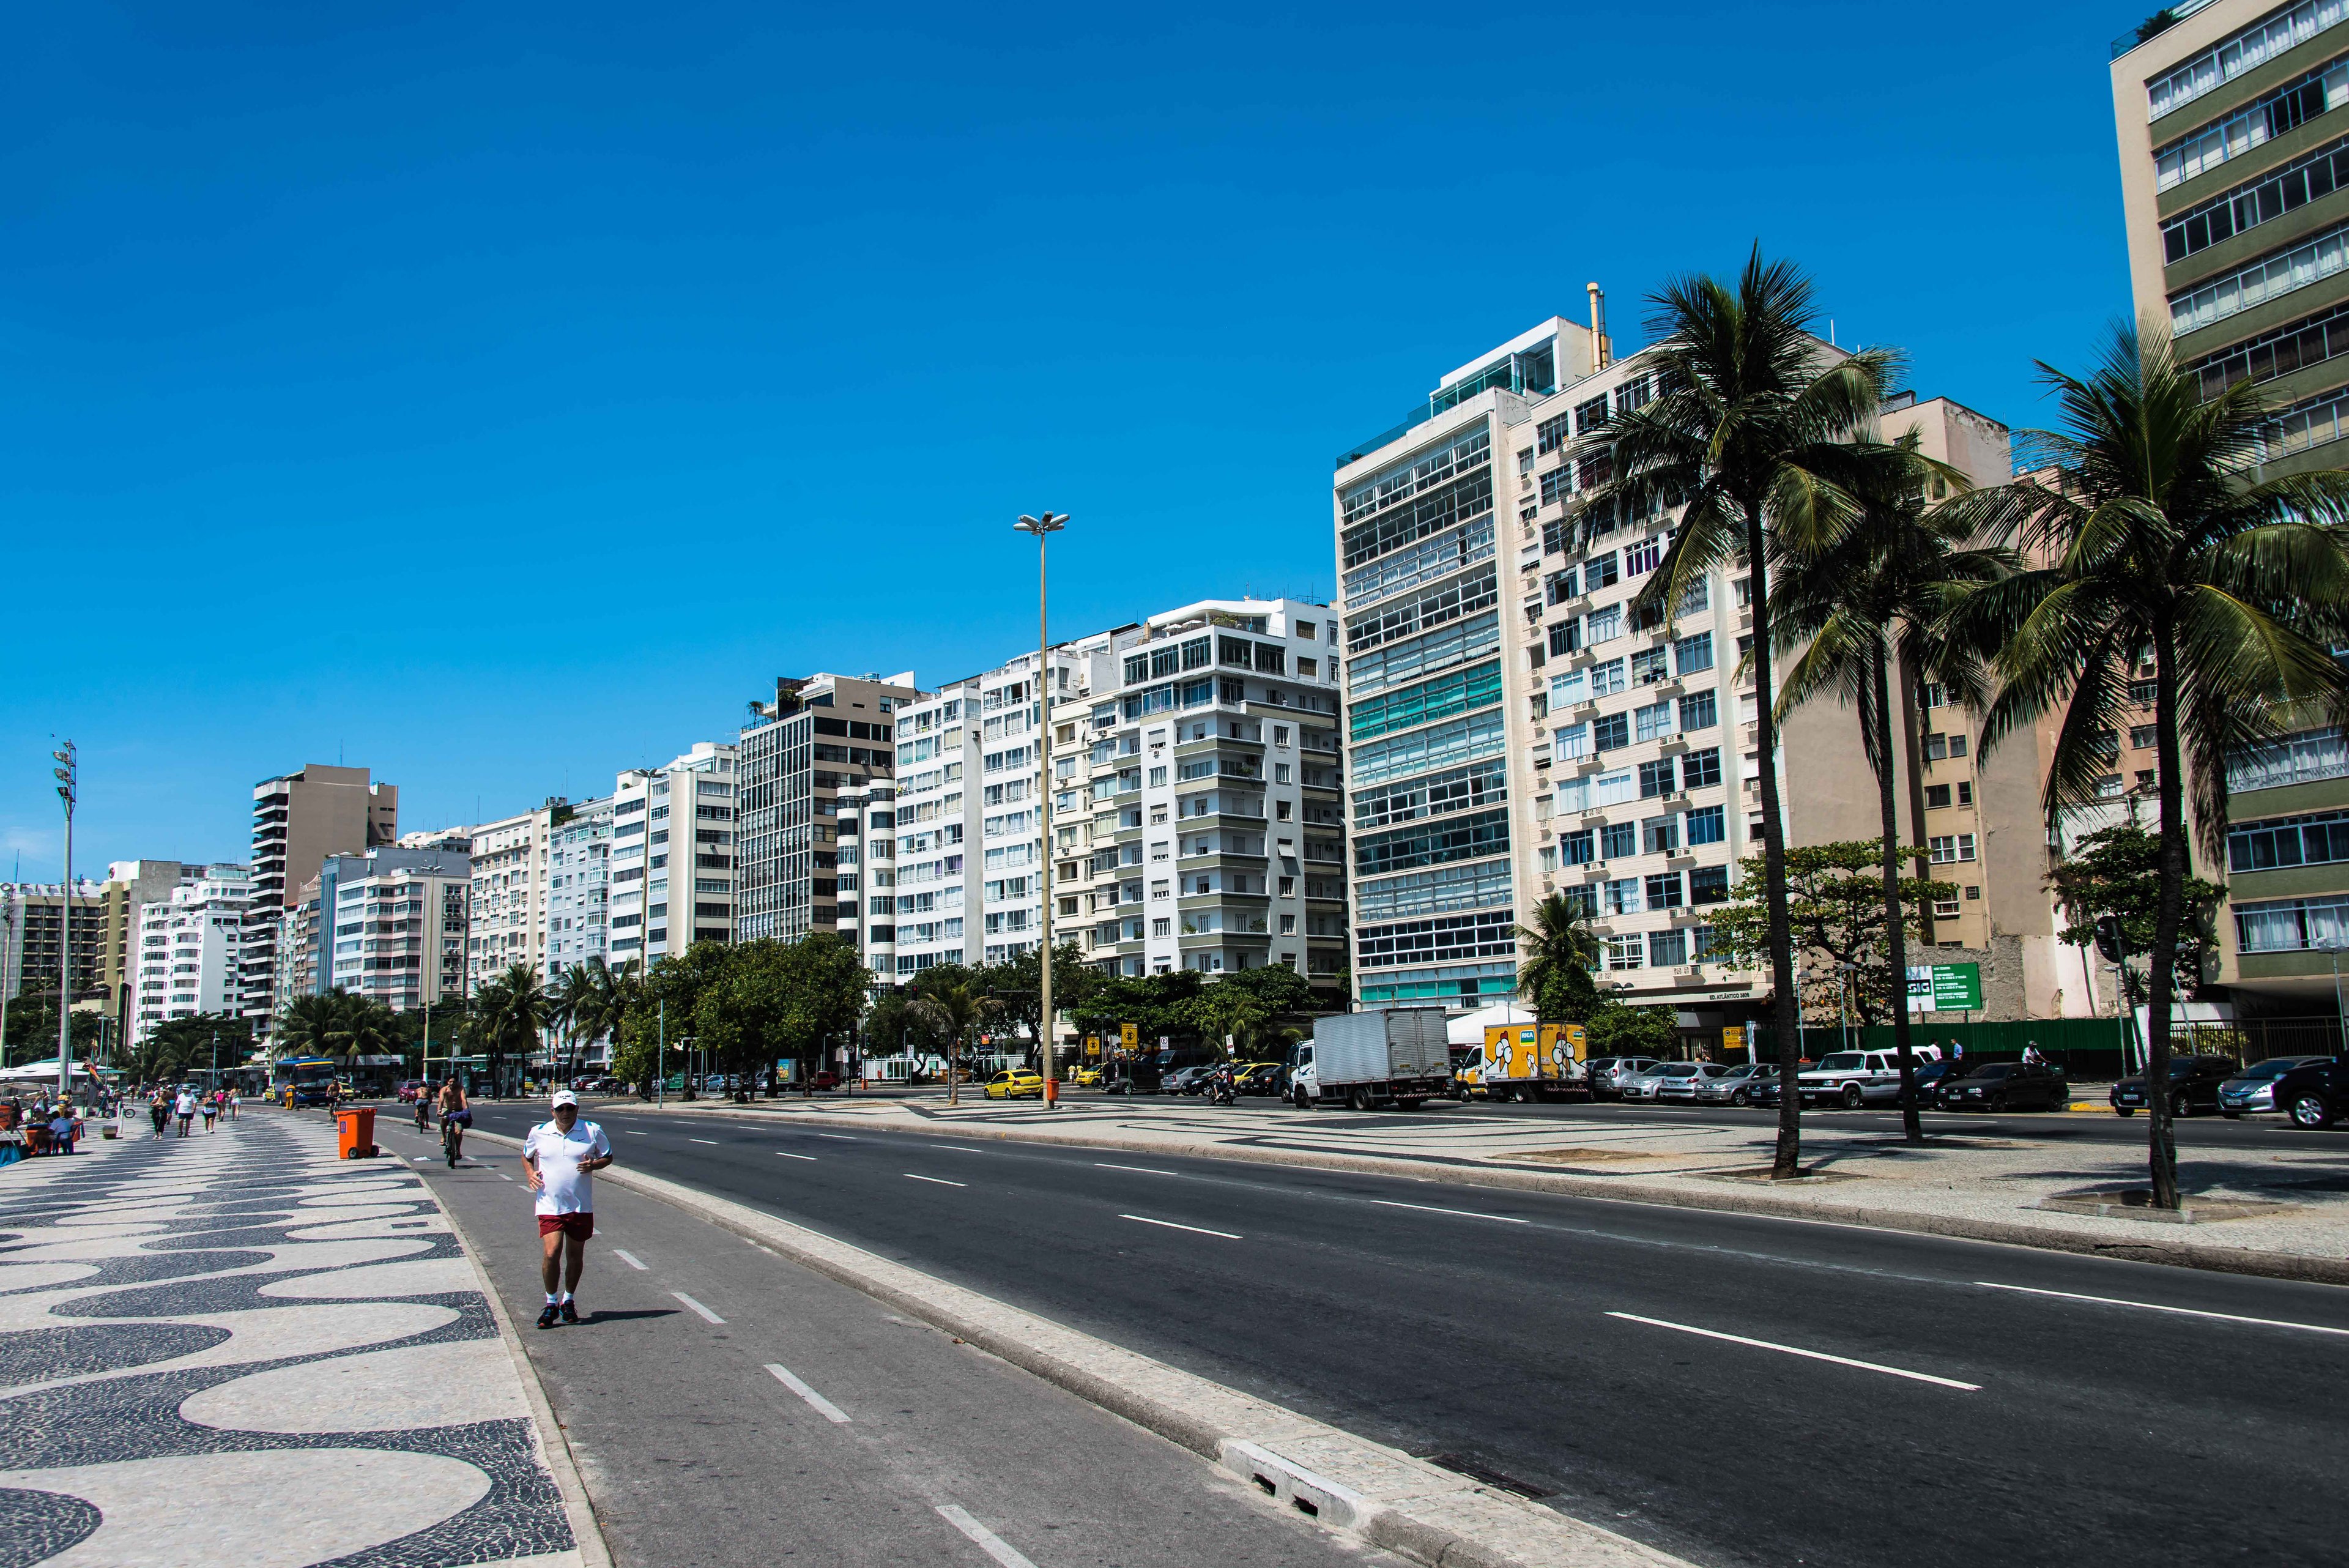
point(1787, 1161)
point(2169, 912)
point(1896, 932)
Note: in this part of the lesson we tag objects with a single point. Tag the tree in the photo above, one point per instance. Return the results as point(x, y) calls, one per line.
point(1016, 987)
point(1872, 602)
point(1746, 432)
point(1561, 950)
point(2153, 545)
point(1279, 990)
point(512, 1011)
point(1228, 1015)
point(311, 1026)
point(775, 1000)
point(2115, 874)
point(1618, 1029)
point(1835, 907)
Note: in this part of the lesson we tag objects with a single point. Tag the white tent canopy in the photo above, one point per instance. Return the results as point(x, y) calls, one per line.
point(41, 1072)
point(1468, 1028)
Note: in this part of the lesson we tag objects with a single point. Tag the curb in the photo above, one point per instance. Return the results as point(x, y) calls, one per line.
point(586, 1532)
point(2311, 1270)
point(1380, 1494)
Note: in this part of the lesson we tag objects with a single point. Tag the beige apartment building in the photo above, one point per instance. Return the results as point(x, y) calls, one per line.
point(2232, 120)
point(299, 819)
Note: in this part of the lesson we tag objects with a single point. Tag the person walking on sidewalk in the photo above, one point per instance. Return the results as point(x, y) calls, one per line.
point(159, 1111)
point(184, 1107)
point(560, 1155)
point(211, 1108)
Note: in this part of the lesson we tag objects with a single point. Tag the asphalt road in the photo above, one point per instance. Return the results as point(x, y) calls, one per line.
point(1910, 1399)
point(696, 1452)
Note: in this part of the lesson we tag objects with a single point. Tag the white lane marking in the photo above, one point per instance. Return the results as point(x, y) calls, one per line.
point(986, 1540)
point(1810, 1355)
point(961, 1148)
point(1140, 1169)
point(628, 1258)
point(817, 1402)
point(837, 1138)
point(711, 1141)
point(707, 1315)
point(2154, 1306)
point(788, 1156)
point(1463, 1213)
point(504, 1177)
point(935, 1181)
point(633, 1132)
point(1196, 1230)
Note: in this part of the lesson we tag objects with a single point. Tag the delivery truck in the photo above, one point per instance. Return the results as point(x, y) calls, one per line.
point(1529, 1062)
point(1393, 1057)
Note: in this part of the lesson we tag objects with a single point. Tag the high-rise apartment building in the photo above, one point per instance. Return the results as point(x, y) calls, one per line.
point(399, 921)
point(578, 889)
point(540, 887)
point(1517, 727)
point(672, 860)
point(1199, 821)
point(186, 945)
point(32, 936)
point(2233, 123)
point(299, 819)
point(817, 763)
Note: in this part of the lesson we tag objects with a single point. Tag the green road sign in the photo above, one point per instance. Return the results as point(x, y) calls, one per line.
point(1945, 987)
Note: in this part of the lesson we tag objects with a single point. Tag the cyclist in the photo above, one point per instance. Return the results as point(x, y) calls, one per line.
point(423, 1107)
point(456, 1116)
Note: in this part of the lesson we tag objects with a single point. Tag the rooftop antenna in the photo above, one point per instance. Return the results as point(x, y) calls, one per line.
point(1601, 349)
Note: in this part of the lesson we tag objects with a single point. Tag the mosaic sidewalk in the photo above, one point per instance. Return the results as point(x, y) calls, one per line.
point(238, 1348)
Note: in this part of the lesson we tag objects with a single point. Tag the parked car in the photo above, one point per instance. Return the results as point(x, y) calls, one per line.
point(1609, 1075)
point(1649, 1086)
point(1761, 1088)
point(1853, 1078)
point(1680, 1080)
point(2193, 1087)
point(1190, 1080)
point(1016, 1083)
point(2005, 1086)
point(2253, 1089)
point(1260, 1078)
point(2316, 1093)
point(1729, 1086)
point(409, 1089)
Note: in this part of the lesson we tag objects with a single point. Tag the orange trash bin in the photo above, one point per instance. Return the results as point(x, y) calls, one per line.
point(354, 1132)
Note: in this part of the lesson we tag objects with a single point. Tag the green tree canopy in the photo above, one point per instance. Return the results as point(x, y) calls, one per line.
point(1834, 906)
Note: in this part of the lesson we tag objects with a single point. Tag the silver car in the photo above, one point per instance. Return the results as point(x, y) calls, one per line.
point(1730, 1087)
point(2253, 1088)
point(1649, 1085)
point(1616, 1077)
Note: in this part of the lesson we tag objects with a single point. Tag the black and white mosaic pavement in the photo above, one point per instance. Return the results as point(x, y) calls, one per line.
point(238, 1348)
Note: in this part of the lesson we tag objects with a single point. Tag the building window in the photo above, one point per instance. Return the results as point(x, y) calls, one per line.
point(1950, 848)
point(1698, 769)
point(1705, 826)
point(1664, 890)
point(1698, 711)
point(1667, 949)
point(2292, 925)
point(1625, 953)
point(1709, 885)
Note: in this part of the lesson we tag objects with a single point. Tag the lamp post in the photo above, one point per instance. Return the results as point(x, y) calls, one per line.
point(68, 788)
point(2333, 952)
point(1043, 526)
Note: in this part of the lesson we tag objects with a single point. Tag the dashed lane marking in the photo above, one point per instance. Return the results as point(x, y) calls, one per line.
point(790, 1155)
point(628, 1258)
point(816, 1402)
point(986, 1540)
point(1807, 1354)
point(2154, 1306)
point(1463, 1213)
point(1171, 1225)
point(935, 1181)
point(1139, 1169)
point(706, 1314)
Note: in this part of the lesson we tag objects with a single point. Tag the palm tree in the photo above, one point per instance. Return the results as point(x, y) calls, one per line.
point(310, 1025)
point(513, 1009)
point(950, 1010)
point(1869, 604)
point(1751, 420)
point(2156, 543)
point(1561, 947)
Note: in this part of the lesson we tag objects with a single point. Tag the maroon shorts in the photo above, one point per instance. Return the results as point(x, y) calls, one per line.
point(578, 1227)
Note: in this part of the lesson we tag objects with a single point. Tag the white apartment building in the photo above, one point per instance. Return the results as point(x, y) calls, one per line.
point(399, 921)
point(969, 853)
point(1516, 727)
point(671, 866)
point(1199, 820)
point(578, 886)
point(188, 948)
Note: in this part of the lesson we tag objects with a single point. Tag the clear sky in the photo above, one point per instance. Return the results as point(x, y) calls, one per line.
point(498, 396)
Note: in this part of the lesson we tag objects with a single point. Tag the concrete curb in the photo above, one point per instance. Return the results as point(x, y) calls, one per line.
point(587, 1531)
point(1384, 1495)
point(1630, 1189)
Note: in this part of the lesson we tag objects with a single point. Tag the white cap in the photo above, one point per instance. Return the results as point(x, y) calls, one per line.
point(563, 1098)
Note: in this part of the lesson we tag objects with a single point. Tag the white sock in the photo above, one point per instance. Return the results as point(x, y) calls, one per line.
point(550, 1298)
point(567, 1295)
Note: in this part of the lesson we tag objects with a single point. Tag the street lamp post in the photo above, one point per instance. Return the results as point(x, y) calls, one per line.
point(68, 789)
point(1043, 526)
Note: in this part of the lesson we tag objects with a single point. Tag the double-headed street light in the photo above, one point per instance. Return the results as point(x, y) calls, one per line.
point(68, 790)
point(1042, 525)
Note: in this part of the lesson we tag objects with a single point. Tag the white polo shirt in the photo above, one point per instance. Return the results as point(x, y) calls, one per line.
point(565, 1189)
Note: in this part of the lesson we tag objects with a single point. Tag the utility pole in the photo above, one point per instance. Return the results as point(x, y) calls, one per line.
point(1043, 526)
point(68, 790)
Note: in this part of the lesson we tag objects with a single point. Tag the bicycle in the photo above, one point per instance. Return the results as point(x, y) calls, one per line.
point(452, 1139)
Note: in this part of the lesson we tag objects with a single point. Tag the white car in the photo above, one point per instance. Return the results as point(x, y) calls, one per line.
point(1852, 1078)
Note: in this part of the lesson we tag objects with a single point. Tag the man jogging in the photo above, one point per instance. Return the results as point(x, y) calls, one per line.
point(559, 1156)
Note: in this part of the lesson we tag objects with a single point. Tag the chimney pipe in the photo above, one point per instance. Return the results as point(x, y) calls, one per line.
point(1599, 348)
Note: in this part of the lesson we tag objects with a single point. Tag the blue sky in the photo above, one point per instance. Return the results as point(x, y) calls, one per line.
point(499, 396)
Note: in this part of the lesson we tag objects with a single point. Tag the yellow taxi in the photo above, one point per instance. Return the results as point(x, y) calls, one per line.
point(1017, 1084)
point(1086, 1077)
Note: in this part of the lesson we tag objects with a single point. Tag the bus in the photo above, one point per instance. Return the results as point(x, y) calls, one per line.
point(302, 1079)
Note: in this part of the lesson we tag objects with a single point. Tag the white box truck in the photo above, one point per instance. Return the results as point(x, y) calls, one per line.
point(1395, 1055)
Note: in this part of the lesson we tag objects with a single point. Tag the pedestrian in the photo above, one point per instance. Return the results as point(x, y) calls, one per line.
point(211, 1107)
point(159, 1111)
point(559, 1156)
point(184, 1108)
point(63, 1128)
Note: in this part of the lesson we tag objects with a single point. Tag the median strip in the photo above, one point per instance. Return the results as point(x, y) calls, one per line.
point(1796, 1350)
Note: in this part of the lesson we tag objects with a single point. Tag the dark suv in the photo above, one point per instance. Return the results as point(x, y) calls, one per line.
point(2314, 1094)
point(2193, 1087)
